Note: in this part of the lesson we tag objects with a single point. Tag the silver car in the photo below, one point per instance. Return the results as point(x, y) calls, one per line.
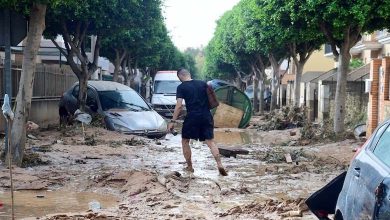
point(122, 108)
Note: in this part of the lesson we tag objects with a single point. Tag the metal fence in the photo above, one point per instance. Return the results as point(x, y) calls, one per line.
point(50, 80)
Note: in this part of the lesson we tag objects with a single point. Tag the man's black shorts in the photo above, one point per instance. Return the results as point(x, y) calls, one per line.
point(198, 127)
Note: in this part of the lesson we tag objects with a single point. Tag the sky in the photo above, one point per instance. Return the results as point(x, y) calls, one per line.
point(191, 23)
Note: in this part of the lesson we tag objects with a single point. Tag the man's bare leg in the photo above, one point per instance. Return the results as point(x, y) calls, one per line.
point(215, 152)
point(187, 153)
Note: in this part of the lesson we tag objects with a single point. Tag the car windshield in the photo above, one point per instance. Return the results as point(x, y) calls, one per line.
point(166, 87)
point(126, 100)
point(249, 89)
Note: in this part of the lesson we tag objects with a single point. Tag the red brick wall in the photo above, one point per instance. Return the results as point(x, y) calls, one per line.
point(373, 104)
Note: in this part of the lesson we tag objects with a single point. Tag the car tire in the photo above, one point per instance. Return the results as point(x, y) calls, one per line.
point(338, 216)
point(64, 116)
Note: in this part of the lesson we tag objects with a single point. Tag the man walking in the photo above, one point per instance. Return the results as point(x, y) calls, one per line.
point(199, 123)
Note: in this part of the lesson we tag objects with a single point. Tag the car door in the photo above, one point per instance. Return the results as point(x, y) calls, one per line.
point(92, 101)
point(382, 190)
point(71, 101)
point(370, 170)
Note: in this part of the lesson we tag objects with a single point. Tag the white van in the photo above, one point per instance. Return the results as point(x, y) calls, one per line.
point(164, 92)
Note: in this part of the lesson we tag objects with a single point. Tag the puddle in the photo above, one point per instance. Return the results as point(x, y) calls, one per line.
point(27, 204)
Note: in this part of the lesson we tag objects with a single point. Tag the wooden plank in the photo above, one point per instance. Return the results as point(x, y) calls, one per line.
point(231, 152)
point(227, 116)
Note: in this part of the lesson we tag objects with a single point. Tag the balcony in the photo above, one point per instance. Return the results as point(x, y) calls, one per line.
point(365, 44)
point(383, 36)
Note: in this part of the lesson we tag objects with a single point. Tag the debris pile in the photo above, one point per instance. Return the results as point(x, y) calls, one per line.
point(313, 133)
point(278, 155)
point(287, 208)
point(31, 159)
point(284, 118)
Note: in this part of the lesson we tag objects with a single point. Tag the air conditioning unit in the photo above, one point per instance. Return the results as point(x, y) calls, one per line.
point(367, 87)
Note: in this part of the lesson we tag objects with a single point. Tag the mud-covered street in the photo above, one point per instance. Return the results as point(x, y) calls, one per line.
point(138, 178)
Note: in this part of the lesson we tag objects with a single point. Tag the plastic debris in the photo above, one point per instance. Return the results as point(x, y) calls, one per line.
point(7, 111)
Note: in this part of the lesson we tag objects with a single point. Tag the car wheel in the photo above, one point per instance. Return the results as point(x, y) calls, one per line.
point(338, 216)
point(64, 116)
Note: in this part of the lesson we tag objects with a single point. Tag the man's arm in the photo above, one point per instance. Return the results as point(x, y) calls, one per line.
point(178, 108)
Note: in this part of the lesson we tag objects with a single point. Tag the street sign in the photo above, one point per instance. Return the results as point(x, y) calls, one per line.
point(18, 27)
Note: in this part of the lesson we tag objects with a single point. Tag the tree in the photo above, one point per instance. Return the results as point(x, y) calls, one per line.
point(343, 22)
point(36, 10)
point(115, 49)
point(76, 20)
point(301, 36)
point(266, 39)
point(138, 36)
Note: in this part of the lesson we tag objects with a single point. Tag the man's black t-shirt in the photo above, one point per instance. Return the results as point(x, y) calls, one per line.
point(194, 93)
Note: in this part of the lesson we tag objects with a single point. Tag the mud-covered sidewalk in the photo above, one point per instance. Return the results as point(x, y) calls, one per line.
point(137, 178)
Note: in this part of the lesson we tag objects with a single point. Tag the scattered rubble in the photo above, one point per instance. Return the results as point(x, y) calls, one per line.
point(31, 159)
point(90, 140)
point(284, 118)
point(284, 208)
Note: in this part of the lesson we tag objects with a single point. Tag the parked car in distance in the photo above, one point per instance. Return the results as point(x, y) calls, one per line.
point(122, 108)
point(164, 92)
point(267, 95)
point(216, 83)
point(365, 191)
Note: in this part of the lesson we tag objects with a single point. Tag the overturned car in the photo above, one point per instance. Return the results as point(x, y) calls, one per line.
point(122, 108)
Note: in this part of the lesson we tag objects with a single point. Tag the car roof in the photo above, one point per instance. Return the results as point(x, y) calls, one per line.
point(107, 85)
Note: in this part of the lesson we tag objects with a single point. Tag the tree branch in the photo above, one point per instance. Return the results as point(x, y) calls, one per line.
point(84, 32)
point(293, 51)
point(330, 38)
point(76, 39)
point(59, 48)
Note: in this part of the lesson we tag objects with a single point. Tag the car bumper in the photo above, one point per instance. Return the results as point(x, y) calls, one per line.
point(149, 134)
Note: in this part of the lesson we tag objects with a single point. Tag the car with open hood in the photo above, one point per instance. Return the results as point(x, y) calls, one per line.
point(122, 108)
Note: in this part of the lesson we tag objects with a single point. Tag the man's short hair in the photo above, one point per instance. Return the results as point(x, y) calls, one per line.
point(183, 71)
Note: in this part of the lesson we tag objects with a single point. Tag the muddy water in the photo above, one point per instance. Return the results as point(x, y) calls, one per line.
point(27, 203)
point(247, 180)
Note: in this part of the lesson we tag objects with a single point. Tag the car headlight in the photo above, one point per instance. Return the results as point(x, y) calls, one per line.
point(121, 128)
point(163, 126)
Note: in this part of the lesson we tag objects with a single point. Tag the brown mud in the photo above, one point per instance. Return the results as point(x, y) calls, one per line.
point(137, 178)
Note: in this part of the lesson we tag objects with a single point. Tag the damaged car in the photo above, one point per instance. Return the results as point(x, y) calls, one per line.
point(123, 109)
point(363, 192)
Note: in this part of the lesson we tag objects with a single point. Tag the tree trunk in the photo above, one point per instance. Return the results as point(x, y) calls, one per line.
point(23, 99)
point(261, 98)
point(255, 88)
point(297, 83)
point(256, 98)
point(275, 81)
point(117, 64)
point(83, 83)
point(344, 59)
point(124, 73)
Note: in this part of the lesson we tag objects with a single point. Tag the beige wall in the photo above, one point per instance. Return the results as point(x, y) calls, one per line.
point(386, 50)
point(318, 62)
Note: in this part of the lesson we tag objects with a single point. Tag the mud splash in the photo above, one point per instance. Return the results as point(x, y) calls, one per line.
point(40, 203)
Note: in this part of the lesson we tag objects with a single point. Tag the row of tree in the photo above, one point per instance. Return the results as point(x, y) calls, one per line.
point(257, 34)
point(130, 33)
